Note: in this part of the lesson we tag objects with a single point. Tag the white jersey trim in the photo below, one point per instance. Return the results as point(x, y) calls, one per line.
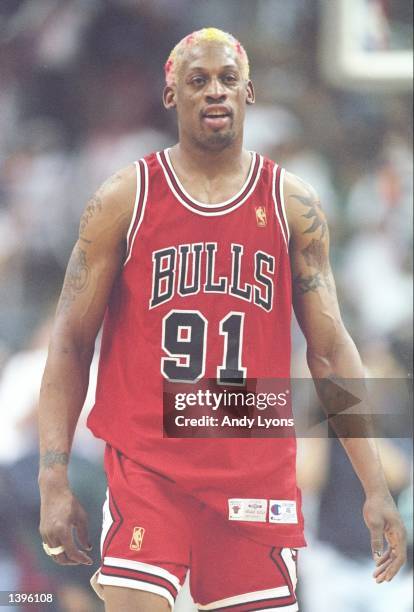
point(130, 242)
point(287, 556)
point(275, 202)
point(282, 201)
point(137, 192)
point(276, 593)
point(197, 202)
point(211, 212)
point(107, 520)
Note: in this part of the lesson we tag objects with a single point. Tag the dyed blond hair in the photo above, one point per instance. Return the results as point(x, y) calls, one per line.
point(200, 36)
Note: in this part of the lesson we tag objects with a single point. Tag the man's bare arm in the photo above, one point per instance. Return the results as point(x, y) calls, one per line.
point(332, 355)
point(94, 264)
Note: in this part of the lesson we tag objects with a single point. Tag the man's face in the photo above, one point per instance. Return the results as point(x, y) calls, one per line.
point(210, 96)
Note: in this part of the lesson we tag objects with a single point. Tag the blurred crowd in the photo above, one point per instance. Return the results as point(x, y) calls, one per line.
point(80, 97)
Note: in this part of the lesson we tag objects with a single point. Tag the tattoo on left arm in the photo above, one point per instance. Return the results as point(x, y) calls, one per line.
point(314, 212)
point(315, 256)
point(94, 206)
point(316, 251)
point(77, 278)
point(304, 284)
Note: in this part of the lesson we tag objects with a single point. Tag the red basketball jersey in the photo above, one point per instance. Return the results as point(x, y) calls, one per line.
point(205, 293)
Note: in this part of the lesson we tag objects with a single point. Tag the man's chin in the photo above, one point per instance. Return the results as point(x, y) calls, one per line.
point(216, 141)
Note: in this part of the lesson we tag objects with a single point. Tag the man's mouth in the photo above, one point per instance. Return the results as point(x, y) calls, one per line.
point(212, 115)
point(216, 119)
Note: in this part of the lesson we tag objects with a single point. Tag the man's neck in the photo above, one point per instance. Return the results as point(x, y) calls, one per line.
point(210, 163)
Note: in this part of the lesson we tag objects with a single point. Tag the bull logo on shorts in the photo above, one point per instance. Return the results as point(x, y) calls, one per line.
point(137, 537)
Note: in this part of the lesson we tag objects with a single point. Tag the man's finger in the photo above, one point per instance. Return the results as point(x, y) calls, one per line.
point(379, 573)
point(379, 560)
point(395, 566)
point(82, 533)
point(71, 550)
point(62, 559)
point(396, 538)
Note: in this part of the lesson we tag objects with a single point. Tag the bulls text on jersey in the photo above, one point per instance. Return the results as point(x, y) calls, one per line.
point(173, 267)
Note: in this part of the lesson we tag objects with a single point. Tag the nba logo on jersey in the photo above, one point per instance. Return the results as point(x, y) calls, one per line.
point(137, 537)
point(261, 218)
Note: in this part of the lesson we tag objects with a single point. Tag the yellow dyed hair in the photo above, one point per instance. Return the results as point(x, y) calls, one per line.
point(205, 35)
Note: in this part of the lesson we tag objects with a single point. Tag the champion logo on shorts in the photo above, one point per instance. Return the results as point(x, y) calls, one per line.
point(137, 537)
point(282, 511)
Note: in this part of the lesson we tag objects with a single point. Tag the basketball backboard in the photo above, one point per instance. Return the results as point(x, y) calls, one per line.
point(367, 44)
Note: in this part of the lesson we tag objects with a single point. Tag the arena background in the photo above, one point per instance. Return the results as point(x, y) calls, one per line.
point(80, 97)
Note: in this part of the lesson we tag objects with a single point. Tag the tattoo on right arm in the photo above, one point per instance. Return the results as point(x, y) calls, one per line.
point(51, 458)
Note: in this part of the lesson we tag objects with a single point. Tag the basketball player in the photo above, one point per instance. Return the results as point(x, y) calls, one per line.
point(189, 256)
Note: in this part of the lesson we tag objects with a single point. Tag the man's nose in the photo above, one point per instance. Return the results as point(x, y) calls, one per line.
point(215, 90)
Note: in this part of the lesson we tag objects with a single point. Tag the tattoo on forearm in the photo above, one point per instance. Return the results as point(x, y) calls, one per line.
point(77, 278)
point(52, 458)
point(94, 206)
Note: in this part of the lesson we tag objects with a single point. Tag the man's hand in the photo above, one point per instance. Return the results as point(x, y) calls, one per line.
point(383, 520)
point(61, 515)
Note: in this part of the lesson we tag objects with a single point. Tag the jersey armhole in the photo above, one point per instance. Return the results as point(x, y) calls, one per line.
point(139, 206)
point(279, 203)
point(282, 201)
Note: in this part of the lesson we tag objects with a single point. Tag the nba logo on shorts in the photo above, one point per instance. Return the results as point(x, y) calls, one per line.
point(261, 218)
point(137, 537)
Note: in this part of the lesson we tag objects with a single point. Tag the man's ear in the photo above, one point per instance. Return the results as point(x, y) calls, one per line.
point(168, 97)
point(251, 96)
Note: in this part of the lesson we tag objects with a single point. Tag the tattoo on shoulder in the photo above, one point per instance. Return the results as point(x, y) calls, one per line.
point(76, 279)
point(94, 206)
point(314, 212)
point(51, 458)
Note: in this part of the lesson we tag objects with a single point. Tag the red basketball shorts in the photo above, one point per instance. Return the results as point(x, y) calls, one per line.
point(153, 533)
